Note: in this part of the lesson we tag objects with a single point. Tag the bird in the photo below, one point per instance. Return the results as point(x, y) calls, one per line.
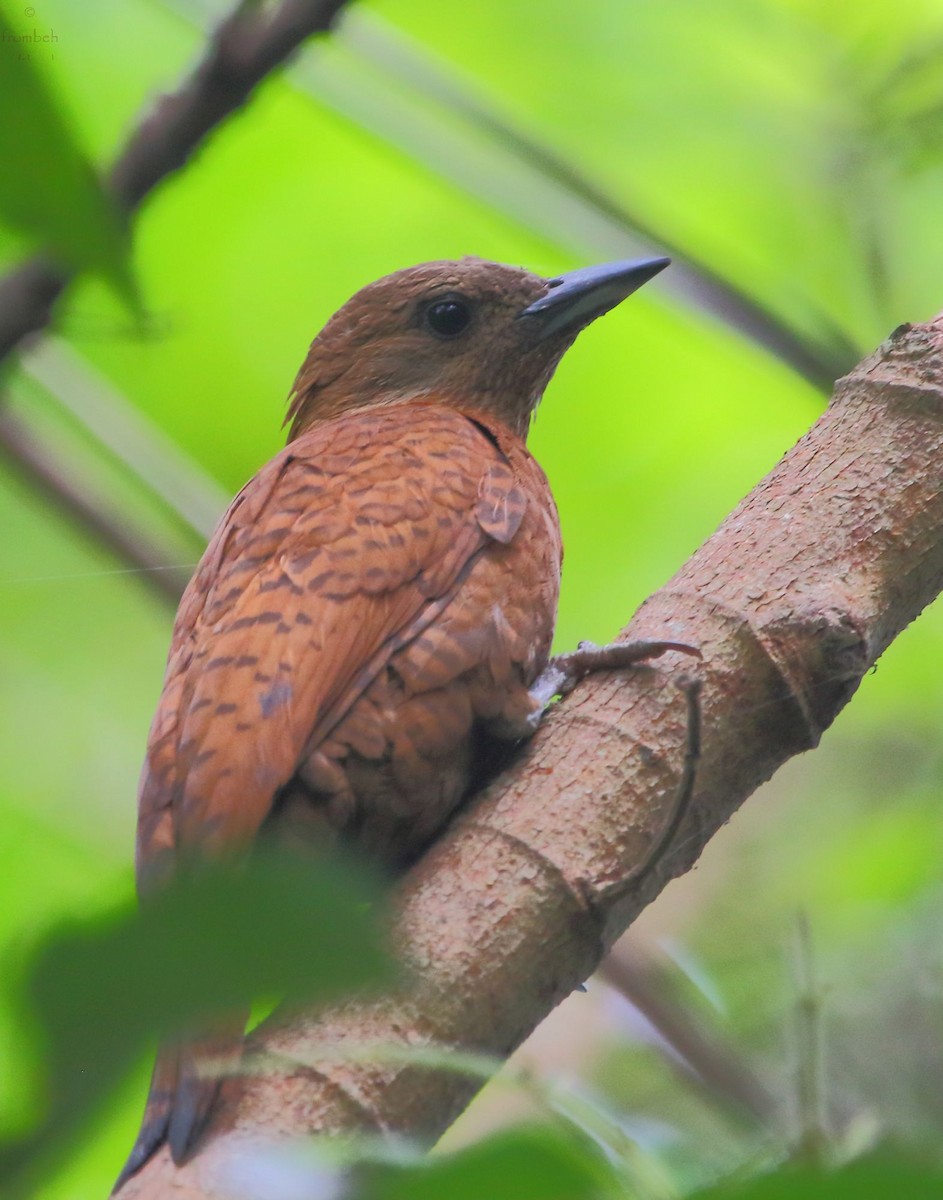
point(376, 607)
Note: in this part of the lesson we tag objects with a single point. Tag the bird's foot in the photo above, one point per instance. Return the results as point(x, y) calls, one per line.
point(565, 671)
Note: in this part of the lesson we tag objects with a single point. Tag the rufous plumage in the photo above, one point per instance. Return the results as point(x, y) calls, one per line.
point(377, 605)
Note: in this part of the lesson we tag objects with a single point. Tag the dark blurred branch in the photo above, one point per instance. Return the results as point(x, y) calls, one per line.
point(27, 296)
point(647, 985)
point(411, 98)
point(248, 45)
point(59, 483)
point(820, 359)
point(119, 430)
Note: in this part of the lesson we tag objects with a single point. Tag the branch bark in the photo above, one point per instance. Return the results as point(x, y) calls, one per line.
point(791, 601)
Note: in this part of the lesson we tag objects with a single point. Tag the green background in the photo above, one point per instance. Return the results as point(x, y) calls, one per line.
point(793, 149)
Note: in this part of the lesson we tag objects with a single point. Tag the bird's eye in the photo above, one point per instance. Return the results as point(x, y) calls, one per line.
point(448, 318)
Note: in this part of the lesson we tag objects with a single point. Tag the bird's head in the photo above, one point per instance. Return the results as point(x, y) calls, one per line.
point(475, 335)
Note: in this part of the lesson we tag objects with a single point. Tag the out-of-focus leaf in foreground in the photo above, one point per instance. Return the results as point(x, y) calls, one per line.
point(874, 1178)
point(98, 991)
point(546, 1163)
point(525, 1165)
point(49, 191)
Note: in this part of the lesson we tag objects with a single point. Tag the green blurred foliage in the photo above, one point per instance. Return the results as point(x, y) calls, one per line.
point(97, 990)
point(794, 148)
point(869, 1179)
point(526, 1165)
point(48, 188)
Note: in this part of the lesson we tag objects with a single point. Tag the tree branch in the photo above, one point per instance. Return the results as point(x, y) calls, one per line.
point(250, 42)
point(791, 601)
point(701, 1049)
point(818, 359)
point(56, 480)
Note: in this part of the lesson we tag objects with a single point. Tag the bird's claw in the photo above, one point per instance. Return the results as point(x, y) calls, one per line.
point(617, 656)
point(553, 681)
point(563, 672)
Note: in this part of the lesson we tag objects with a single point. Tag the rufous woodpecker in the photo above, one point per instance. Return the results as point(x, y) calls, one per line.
point(378, 602)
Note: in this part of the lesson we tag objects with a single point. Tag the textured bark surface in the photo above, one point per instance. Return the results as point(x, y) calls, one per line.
point(790, 602)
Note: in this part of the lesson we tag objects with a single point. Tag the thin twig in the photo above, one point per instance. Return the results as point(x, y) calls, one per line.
point(121, 431)
point(56, 481)
point(813, 1141)
point(249, 43)
point(646, 984)
point(691, 688)
point(820, 359)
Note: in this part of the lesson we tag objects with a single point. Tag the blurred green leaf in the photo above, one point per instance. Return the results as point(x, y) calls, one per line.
point(525, 1165)
point(98, 990)
point(48, 189)
point(875, 1178)
point(273, 926)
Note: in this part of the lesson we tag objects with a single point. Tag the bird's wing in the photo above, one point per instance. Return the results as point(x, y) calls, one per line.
point(345, 546)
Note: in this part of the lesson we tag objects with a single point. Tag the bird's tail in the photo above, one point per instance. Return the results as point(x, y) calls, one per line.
point(184, 1085)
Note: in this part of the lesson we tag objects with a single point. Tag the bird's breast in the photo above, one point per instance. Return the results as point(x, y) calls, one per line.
point(396, 766)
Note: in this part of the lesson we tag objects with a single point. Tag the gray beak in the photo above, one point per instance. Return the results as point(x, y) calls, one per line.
point(578, 297)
